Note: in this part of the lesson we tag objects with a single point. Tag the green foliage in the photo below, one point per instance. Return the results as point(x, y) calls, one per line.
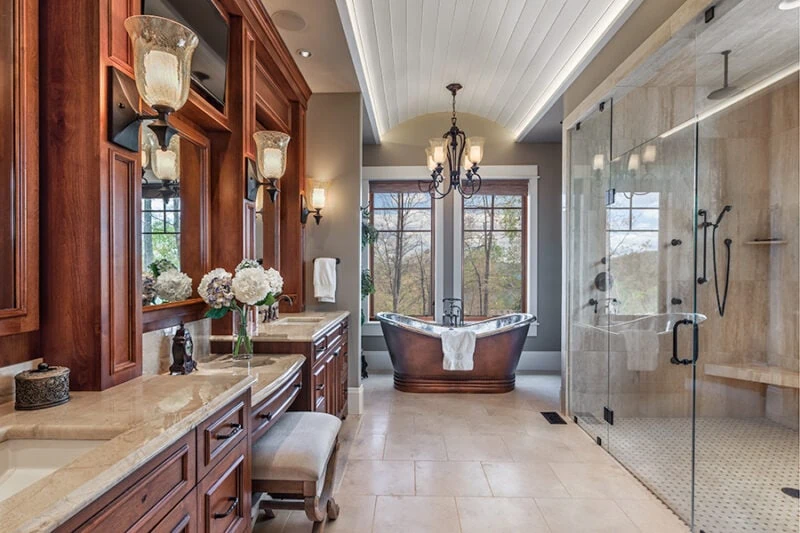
point(367, 283)
point(268, 300)
point(217, 313)
point(369, 235)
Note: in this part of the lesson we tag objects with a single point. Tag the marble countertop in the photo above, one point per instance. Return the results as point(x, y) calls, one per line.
point(138, 419)
point(293, 327)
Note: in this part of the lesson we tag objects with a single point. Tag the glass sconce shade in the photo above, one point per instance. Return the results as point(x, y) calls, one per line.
point(633, 163)
point(649, 154)
point(259, 200)
point(271, 153)
point(318, 198)
point(162, 60)
point(167, 163)
point(147, 142)
point(438, 148)
point(429, 162)
point(474, 150)
point(599, 162)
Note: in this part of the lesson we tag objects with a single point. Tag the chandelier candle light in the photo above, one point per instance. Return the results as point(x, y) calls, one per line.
point(453, 147)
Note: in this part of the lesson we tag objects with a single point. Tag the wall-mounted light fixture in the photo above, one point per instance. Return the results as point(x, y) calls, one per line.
point(162, 66)
point(271, 158)
point(316, 203)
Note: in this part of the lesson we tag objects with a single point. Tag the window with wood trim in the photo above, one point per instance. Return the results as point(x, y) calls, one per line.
point(401, 260)
point(494, 260)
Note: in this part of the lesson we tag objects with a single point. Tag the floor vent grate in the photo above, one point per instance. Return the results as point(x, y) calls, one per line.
point(553, 417)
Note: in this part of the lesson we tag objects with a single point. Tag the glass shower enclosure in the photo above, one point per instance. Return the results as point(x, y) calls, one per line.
point(683, 297)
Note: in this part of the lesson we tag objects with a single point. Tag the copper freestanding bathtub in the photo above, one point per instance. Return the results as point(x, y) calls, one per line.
point(415, 348)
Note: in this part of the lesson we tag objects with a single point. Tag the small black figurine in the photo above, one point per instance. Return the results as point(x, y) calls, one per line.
point(182, 348)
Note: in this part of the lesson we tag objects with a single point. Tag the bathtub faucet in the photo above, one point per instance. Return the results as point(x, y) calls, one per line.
point(453, 316)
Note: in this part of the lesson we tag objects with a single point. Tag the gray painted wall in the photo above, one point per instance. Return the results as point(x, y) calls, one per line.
point(405, 145)
point(333, 155)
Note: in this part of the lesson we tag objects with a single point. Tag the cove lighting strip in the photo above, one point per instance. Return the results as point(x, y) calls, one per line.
point(750, 91)
point(614, 15)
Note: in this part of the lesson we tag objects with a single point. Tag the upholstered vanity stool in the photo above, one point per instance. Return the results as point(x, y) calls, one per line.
point(294, 462)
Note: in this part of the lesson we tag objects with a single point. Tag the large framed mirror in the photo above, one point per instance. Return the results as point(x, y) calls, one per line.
point(19, 168)
point(174, 225)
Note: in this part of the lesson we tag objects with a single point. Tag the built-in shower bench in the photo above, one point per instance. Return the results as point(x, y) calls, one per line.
point(769, 375)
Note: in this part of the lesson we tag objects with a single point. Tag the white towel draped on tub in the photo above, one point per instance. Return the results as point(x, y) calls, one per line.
point(458, 346)
point(325, 279)
point(642, 350)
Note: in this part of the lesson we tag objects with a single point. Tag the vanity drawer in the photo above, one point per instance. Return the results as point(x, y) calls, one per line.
point(143, 499)
point(182, 519)
point(334, 337)
point(319, 385)
point(224, 494)
point(318, 348)
point(221, 431)
point(266, 412)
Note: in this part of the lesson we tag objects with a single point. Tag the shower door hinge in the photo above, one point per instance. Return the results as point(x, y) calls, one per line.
point(611, 195)
point(608, 415)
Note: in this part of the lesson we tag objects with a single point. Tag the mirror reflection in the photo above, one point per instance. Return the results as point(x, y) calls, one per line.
point(7, 189)
point(170, 181)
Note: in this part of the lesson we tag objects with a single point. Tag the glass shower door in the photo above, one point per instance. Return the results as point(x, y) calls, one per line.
point(588, 334)
point(651, 314)
point(746, 446)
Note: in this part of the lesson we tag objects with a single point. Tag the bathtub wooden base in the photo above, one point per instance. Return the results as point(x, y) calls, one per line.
point(457, 384)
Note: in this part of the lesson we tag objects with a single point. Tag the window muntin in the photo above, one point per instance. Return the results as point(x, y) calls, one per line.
point(402, 259)
point(161, 230)
point(494, 258)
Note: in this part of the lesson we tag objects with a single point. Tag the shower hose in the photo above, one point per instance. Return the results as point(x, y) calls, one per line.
point(721, 302)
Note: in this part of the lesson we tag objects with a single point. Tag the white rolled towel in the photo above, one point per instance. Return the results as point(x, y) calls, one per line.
point(458, 346)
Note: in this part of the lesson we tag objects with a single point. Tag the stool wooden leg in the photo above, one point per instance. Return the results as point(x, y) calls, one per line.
point(333, 509)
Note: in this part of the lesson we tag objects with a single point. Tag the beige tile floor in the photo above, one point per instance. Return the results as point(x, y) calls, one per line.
point(433, 463)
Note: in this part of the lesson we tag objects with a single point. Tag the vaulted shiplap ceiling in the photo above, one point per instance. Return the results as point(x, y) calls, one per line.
point(514, 57)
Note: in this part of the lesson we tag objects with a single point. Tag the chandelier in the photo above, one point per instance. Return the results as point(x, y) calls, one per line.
point(457, 149)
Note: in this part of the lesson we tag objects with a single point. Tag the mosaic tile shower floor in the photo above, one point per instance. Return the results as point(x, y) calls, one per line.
point(742, 465)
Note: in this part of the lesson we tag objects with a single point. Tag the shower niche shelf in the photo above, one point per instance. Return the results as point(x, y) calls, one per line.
point(769, 375)
point(765, 242)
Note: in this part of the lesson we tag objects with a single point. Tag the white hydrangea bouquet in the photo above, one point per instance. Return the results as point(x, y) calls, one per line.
point(250, 285)
point(165, 282)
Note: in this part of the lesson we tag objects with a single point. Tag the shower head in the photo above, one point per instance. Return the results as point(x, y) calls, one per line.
point(722, 214)
point(726, 90)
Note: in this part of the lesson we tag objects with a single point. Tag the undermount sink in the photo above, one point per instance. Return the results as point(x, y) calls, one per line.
point(299, 320)
point(26, 461)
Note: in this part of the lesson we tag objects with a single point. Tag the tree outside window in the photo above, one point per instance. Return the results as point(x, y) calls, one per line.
point(401, 259)
point(494, 256)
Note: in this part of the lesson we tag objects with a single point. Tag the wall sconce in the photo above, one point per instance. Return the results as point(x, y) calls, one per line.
point(162, 65)
point(317, 204)
point(271, 158)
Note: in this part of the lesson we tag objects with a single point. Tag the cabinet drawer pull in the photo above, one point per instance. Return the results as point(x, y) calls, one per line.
point(233, 506)
point(236, 429)
point(320, 386)
point(268, 416)
point(298, 385)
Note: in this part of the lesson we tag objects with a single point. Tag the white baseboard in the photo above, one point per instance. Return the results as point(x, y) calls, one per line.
point(355, 400)
point(378, 361)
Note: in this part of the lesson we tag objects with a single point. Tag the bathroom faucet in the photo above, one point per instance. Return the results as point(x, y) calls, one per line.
point(453, 316)
point(271, 312)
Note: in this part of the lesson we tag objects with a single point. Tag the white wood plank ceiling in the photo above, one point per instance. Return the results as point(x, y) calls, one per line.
point(514, 57)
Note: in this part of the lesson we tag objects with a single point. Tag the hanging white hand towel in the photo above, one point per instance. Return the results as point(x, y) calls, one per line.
point(325, 279)
point(458, 346)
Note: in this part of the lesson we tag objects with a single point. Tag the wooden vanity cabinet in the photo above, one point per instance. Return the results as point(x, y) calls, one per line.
point(201, 483)
point(324, 373)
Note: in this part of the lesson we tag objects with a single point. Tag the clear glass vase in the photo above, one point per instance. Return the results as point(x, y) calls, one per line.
point(242, 343)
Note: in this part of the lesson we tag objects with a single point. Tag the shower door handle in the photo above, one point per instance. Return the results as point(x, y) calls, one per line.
point(675, 359)
point(703, 213)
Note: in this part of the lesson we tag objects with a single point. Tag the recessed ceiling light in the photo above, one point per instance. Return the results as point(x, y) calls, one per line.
point(304, 53)
point(786, 5)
